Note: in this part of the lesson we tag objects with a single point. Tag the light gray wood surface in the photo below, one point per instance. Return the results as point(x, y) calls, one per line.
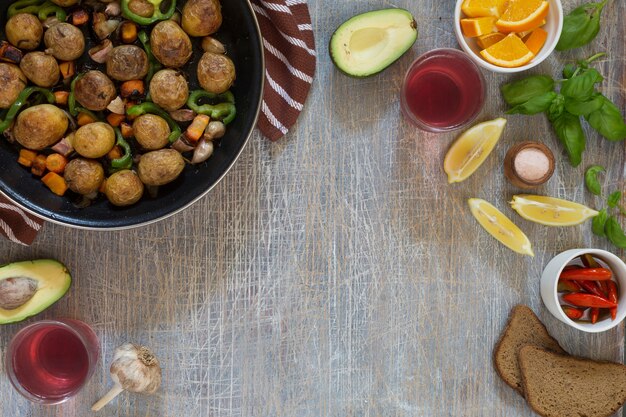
point(334, 273)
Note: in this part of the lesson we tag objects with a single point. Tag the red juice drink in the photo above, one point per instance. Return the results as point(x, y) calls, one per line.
point(443, 90)
point(50, 361)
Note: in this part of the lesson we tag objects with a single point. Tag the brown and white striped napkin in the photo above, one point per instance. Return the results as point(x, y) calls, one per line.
point(17, 225)
point(290, 59)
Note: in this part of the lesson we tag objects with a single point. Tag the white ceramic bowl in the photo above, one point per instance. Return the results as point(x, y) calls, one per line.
point(550, 279)
point(554, 25)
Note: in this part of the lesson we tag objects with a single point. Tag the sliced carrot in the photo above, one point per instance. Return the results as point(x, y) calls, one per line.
point(115, 153)
point(55, 183)
point(68, 69)
point(196, 128)
point(26, 157)
point(132, 88)
point(84, 119)
point(56, 163)
point(39, 165)
point(61, 97)
point(127, 130)
point(128, 32)
point(115, 119)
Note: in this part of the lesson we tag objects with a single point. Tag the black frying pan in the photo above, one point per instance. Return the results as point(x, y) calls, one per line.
point(240, 34)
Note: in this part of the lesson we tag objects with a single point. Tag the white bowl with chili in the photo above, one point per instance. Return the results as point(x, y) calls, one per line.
point(579, 289)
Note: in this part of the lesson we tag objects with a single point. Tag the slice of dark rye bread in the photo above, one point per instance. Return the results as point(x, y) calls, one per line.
point(564, 386)
point(523, 328)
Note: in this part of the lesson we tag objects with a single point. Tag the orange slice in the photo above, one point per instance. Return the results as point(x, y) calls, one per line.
point(481, 8)
point(536, 40)
point(528, 32)
point(510, 52)
point(521, 15)
point(477, 26)
point(485, 41)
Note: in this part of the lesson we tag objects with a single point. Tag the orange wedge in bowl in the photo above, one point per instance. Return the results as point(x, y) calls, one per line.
point(522, 15)
point(477, 26)
point(510, 52)
point(485, 41)
point(480, 8)
point(536, 39)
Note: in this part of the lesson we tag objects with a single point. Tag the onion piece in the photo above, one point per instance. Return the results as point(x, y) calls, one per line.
point(102, 26)
point(181, 145)
point(183, 115)
point(117, 106)
point(100, 53)
point(64, 147)
point(203, 151)
point(113, 9)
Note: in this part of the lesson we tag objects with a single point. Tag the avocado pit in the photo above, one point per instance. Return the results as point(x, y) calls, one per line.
point(16, 291)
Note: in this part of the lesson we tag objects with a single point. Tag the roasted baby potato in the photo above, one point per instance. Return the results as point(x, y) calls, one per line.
point(40, 126)
point(169, 89)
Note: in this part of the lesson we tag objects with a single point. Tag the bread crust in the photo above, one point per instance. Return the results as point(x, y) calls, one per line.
point(529, 398)
point(518, 309)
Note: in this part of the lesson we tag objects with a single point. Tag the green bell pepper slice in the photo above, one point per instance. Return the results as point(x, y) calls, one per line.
point(21, 101)
point(224, 110)
point(42, 8)
point(156, 16)
point(126, 161)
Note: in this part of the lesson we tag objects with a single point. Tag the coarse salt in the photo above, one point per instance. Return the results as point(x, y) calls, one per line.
point(531, 164)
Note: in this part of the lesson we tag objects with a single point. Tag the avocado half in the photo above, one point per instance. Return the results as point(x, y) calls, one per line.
point(27, 288)
point(368, 43)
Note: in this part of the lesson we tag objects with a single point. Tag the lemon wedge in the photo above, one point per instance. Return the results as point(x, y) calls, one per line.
point(500, 227)
point(551, 211)
point(471, 149)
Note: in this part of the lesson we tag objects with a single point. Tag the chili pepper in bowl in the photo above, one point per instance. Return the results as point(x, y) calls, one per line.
point(594, 315)
point(612, 297)
point(587, 274)
point(592, 287)
point(580, 299)
point(573, 312)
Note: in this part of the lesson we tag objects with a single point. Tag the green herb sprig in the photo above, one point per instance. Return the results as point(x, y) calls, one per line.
point(606, 224)
point(576, 97)
point(580, 26)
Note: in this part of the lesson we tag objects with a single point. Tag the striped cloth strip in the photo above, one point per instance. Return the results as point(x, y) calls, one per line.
point(290, 57)
point(17, 225)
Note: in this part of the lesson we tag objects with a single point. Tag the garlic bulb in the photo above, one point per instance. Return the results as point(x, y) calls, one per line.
point(134, 369)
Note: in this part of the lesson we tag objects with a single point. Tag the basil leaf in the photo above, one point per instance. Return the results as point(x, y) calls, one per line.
point(535, 105)
point(598, 223)
point(569, 70)
point(608, 121)
point(581, 26)
point(615, 233)
point(582, 86)
point(591, 179)
point(556, 107)
point(571, 135)
point(614, 199)
point(584, 108)
point(521, 91)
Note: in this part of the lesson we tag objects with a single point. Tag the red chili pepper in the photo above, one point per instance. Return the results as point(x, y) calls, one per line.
point(570, 267)
point(592, 287)
point(573, 312)
point(612, 285)
point(587, 274)
point(595, 314)
point(580, 299)
point(569, 286)
point(604, 286)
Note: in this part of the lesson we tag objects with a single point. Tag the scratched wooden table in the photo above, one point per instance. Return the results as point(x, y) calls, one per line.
point(334, 273)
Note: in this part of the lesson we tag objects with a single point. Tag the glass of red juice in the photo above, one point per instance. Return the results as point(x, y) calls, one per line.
point(443, 90)
point(49, 361)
